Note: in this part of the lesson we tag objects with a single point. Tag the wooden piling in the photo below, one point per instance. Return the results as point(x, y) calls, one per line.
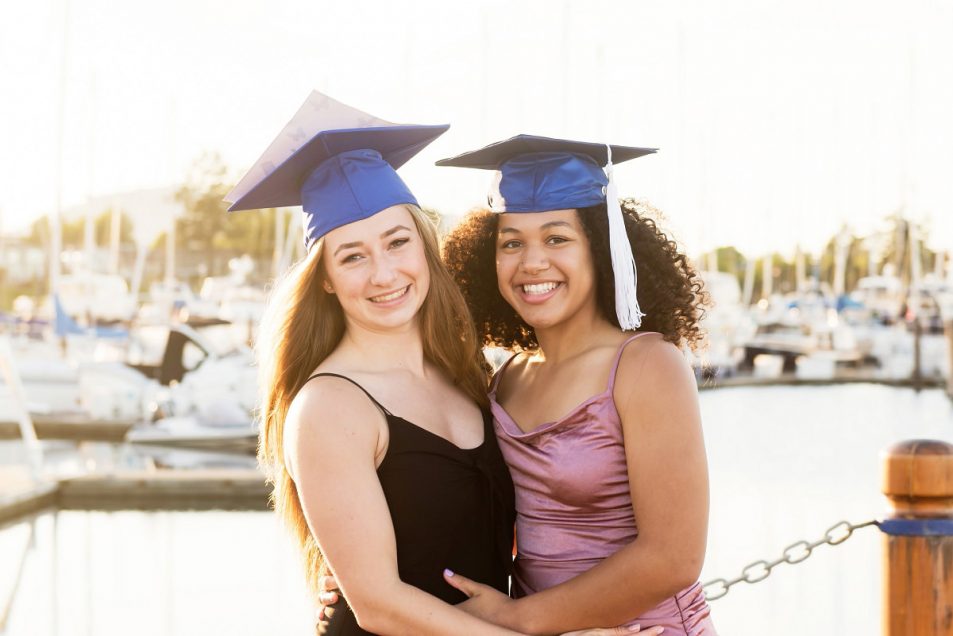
point(918, 539)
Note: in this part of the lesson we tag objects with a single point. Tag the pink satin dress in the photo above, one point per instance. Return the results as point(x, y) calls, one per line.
point(573, 507)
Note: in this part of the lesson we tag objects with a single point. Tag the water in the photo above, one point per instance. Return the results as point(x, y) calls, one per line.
point(155, 574)
point(786, 463)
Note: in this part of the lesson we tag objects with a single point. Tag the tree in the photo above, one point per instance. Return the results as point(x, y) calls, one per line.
point(74, 231)
point(205, 226)
point(102, 231)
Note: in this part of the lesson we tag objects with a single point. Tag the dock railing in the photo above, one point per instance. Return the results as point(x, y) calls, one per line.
point(917, 480)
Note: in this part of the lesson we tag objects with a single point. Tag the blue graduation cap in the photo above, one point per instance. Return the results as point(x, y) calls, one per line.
point(340, 173)
point(541, 174)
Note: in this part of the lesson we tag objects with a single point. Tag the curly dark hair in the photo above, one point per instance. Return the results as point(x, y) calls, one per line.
point(670, 291)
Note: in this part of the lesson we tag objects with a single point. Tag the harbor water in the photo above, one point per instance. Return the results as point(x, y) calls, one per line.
point(786, 464)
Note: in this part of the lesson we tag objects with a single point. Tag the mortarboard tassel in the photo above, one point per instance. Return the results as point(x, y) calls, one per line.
point(623, 262)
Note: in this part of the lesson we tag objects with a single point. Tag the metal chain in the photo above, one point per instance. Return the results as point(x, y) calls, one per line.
point(793, 554)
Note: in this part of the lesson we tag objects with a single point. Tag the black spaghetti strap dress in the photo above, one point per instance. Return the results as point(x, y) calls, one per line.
point(451, 508)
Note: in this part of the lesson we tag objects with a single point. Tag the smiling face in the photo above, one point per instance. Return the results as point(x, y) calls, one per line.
point(378, 270)
point(544, 267)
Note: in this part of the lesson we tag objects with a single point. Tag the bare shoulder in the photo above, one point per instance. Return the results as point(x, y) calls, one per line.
point(332, 407)
point(651, 368)
point(512, 371)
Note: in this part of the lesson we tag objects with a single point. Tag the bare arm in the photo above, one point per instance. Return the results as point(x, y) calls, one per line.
point(668, 480)
point(334, 441)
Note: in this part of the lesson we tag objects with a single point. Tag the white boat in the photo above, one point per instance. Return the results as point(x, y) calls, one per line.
point(193, 431)
point(102, 297)
point(727, 325)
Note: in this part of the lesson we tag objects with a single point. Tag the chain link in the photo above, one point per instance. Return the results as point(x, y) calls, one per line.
point(793, 554)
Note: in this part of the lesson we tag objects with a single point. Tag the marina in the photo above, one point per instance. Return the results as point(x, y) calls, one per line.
point(795, 171)
point(145, 433)
point(140, 440)
point(786, 464)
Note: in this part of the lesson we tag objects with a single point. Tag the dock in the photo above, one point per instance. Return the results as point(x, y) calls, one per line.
point(201, 489)
point(789, 379)
point(22, 495)
point(70, 426)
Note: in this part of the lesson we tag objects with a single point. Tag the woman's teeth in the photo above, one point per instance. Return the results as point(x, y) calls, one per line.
point(541, 288)
point(388, 297)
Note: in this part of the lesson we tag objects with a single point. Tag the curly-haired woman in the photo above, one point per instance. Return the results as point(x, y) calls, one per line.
point(600, 427)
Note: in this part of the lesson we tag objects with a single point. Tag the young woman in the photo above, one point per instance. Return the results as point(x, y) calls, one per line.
point(362, 338)
point(600, 428)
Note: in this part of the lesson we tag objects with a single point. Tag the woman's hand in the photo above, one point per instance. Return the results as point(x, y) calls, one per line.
point(326, 597)
point(491, 605)
point(482, 601)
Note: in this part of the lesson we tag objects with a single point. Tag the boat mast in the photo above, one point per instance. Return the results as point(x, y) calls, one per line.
point(170, 253)
point(799, 269)
point(767, 277)
point(56, 230)
point(115, 232)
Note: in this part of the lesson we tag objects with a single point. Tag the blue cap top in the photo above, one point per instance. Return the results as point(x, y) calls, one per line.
point(344, 171)
point(342, 176)
point(539, 174)
point(349, 187)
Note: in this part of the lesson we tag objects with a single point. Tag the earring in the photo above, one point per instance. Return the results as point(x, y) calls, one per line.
point(328, 288)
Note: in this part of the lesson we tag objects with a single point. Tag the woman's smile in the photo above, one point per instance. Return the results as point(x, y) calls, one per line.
point(391, 298)
point(536, 293)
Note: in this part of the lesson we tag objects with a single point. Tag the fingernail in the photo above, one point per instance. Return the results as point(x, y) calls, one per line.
point(633, 628)
point(447, 572)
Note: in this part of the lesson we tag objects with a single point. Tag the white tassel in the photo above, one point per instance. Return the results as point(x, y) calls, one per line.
point(623, 262)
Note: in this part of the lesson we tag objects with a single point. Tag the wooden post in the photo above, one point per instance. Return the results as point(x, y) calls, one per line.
point(918, 539)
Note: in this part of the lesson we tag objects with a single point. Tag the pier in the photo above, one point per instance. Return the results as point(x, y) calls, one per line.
point(204, 489)
point(21, 495)
point(70, 427)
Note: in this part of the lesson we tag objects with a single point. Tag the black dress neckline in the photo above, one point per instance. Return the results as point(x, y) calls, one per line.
point(487, 430)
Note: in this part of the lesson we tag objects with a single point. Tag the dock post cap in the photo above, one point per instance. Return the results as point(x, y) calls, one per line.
point(918, 468)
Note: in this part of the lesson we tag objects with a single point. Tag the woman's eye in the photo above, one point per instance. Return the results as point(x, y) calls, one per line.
point(508, 245)
point(350, 258)
point(556, 240)
point(399, 242)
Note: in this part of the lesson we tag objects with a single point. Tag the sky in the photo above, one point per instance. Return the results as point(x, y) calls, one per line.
point(777, 122)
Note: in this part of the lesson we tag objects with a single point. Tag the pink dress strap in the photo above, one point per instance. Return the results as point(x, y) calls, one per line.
point(495, 382)
point(618, 358)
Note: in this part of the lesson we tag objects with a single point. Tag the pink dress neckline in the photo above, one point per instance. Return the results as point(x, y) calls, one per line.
point(509, 424)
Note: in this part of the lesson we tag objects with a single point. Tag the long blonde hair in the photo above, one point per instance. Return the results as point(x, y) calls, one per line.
point(303, 324)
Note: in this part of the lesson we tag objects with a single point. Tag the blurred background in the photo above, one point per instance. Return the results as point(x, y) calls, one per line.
point(805, 159)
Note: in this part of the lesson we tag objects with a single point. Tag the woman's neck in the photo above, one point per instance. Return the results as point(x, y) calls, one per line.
point(571, 337)
point(377, 351)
